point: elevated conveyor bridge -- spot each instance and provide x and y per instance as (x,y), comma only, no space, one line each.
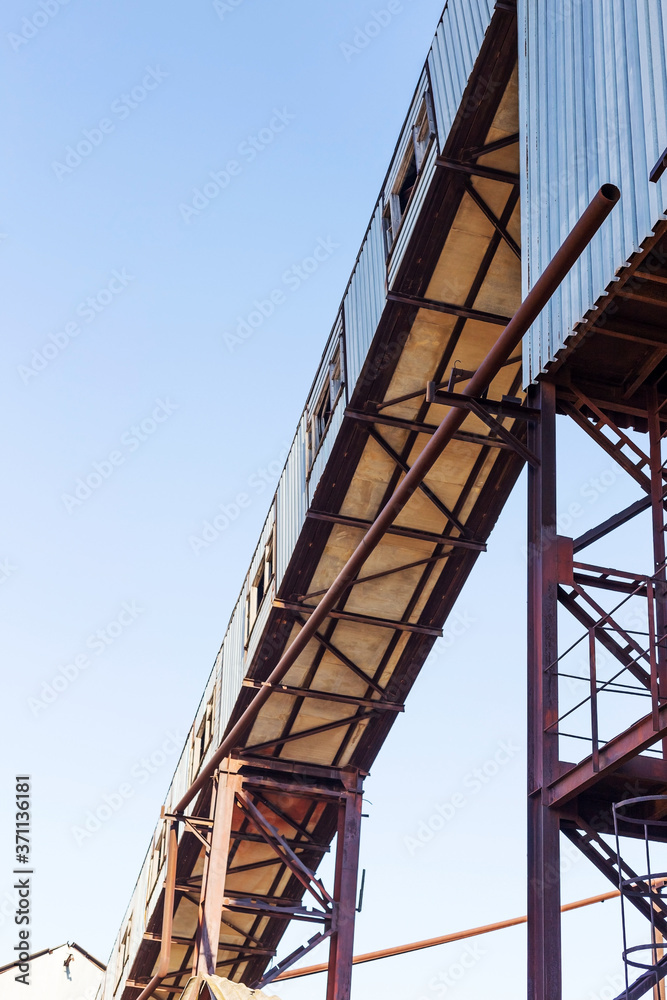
(436,281)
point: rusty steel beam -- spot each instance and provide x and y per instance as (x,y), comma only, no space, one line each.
(344,699)
(381,575)
(473,152)
(350,616)
(617,751)
(463,312)
(545,286)
(215,869)
(486,441)
(164,959)
(613,522)
(420,536)
(341,945)
(303,734)
(465,401)
(478,170)
(544,935)
(493,219)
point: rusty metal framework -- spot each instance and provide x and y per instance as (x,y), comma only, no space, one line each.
(598,633)
(261,799)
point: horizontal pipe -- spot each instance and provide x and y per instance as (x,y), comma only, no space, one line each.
(507,342)
(403,949)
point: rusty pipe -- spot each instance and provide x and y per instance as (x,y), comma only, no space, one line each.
(167,913)
(403,949)
(509,340)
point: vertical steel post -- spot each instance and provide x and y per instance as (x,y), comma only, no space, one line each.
(544,938)
(228,782)
(658,525)
(341,948)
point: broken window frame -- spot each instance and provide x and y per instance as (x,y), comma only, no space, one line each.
(124,952)
(260,588)
(320,415)
(423,133)
(201,738)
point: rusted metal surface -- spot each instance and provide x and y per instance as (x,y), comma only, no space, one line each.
(168,914)
(544,967)
(405,949)
(240,799)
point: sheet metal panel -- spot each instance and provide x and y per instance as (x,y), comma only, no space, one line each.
(593,92)
(365,298)
(291,502)
(233,659)
(452,57)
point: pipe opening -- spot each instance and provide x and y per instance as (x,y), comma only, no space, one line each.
(610,192)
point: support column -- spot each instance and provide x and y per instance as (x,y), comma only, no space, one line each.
(227,783)
(341,949)
(544,935)
(658,526)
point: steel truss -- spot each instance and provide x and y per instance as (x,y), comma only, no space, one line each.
(577,799)
(252,799)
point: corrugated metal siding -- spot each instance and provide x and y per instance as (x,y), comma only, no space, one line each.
(452,57)
(593,110)
(291,502)
(365,299)
(233,657)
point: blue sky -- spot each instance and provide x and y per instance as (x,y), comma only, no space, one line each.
(114,117)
